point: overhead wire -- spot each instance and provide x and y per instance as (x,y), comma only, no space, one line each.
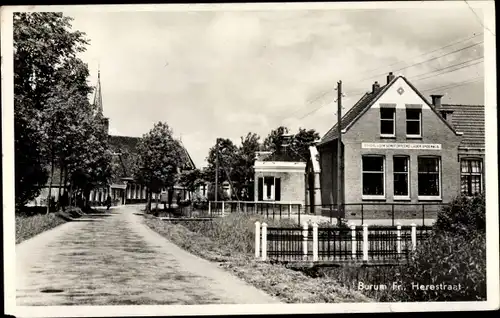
(417,80)
(400,69)
(412,58)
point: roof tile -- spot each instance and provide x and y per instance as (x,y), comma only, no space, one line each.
(470,120)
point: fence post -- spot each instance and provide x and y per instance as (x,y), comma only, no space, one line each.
(223,210)
(423,214)
(393,214)
(289,209)
(365,242)
(353,234)
(239,206)
(264,241)
(257,239)
(315,241)
(398,246)
(413,236)
(304,242)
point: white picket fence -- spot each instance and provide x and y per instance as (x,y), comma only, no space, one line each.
(261,241)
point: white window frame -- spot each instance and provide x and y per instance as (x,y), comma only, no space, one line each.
(440,178)
(393,122)
(480,174)
(264,189)
(402,197)
(414,120)
(369,196)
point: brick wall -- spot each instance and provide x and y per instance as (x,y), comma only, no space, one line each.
(434,131)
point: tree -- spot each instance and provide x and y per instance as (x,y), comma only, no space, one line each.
(159,158)
(244,169)
(302,140)
(43,41)
(274,140)
(299,143)
(228,158)
(73,131)
(44,58)
(190,179)
(30,171)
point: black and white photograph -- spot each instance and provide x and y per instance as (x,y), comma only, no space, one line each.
(266,158)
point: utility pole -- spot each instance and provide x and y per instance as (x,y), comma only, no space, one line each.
(339,152)
(216,168)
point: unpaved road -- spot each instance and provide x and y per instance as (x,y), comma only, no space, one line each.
(117,260)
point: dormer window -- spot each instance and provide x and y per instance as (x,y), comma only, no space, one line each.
(387,122)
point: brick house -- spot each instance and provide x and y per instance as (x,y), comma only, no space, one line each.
(398,147)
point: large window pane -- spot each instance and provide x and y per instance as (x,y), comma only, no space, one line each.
(400,176)
(387,121)
(428,177)
(400,164)
(387,113)
(373,175)
(413,128)
(373,184)
(371,163)
(471,176)
(413,114)
(428,184)
(400,184)
(413,122)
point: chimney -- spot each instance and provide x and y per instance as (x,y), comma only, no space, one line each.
(390,77)
(375,87)
(436,101)
(447,115)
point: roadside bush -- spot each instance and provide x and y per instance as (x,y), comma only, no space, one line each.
(29,226)
(236,231)
(463,216)
(447,259)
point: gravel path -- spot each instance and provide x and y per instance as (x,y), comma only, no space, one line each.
(117,260)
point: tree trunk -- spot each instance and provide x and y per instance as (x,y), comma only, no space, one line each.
(148,199)
(70,192)
(60,186)
(50,184)
(157,201)
(170,197)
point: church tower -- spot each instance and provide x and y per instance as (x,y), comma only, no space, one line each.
(98,101)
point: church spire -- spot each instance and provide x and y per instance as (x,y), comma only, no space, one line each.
(98,94)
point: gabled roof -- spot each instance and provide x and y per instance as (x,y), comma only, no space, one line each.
(470,120)
(125,150)
(186,157)
(364,104)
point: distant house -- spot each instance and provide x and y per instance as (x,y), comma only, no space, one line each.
(398,147)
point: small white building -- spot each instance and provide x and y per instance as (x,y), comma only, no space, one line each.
(279,177)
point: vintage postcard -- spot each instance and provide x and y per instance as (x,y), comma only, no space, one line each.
(272,158)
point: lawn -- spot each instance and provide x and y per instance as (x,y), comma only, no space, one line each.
(29,226)
(229,241)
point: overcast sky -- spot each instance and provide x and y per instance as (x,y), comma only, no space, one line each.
(212,74)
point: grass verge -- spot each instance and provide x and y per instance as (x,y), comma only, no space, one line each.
(29,226)
(229,241)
